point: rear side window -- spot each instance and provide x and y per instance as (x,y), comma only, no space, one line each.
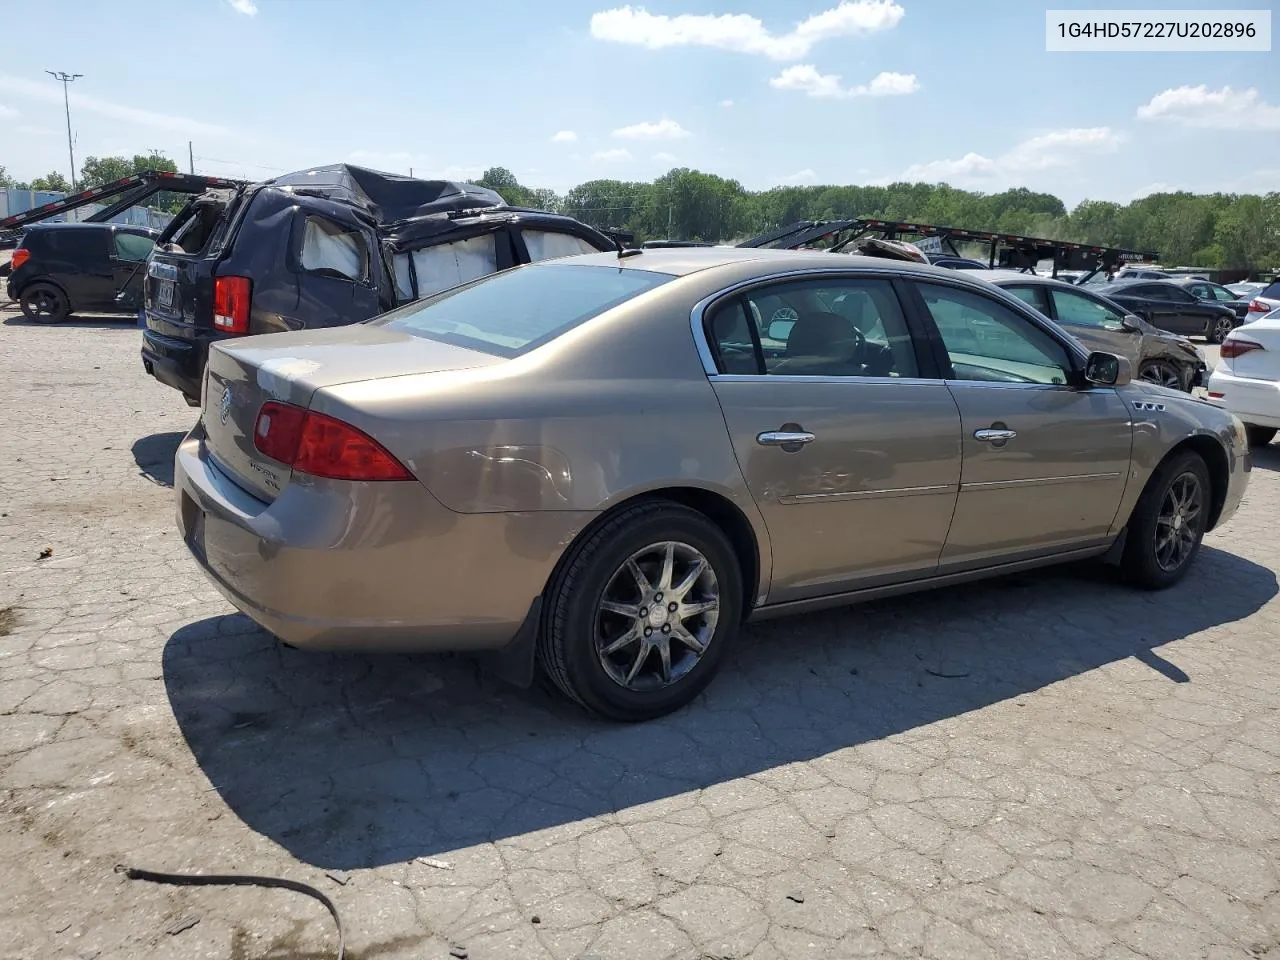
(548,244)
(330,248)
(517,310)
(1271,293)
(1034,295)
(72,244)
(1152,291)
(449,264)
(133,246)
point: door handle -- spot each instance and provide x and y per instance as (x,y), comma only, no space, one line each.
(794,439)
(992,435)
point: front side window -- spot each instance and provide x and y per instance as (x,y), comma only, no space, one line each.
(1222,294)
(331,248)
(987,341)
(133,247)
(448,264)
(512,312)
(1076,308)
(833,327)
(549,244)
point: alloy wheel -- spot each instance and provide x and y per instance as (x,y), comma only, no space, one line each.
(42,303)
(1164,374)
(657,615)
(1179,521)
(1221,327)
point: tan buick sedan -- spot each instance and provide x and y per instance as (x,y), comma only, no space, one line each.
(605,464)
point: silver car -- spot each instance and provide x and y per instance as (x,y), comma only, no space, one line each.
(604,464)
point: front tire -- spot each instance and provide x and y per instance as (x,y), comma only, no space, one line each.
(641,612)
(44,303)
(1164,373)
(1219,329)
(1258,436)
(1168,523)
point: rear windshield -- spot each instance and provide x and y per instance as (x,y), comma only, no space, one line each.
(512,312)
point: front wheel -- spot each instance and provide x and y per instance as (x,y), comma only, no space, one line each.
(641,613)
(1168,523)
(1219,329)
(1162,372)
(1259,436)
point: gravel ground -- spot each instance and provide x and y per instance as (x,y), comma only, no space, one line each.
(1043,766)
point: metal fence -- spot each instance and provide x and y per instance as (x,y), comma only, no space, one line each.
(19,201)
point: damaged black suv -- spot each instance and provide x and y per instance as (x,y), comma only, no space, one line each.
(326,247)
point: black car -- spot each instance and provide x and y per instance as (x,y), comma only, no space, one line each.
(327,247)
(1169,306)
(1208,292)
(63,268)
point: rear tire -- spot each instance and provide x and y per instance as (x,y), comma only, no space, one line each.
(1168,523)
(1219,329)
(1258,436)
(44,303)
(609,613)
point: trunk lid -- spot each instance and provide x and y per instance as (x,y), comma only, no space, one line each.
(242,374)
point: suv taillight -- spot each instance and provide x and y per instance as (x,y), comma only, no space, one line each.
(322,446)
(20,256)
(1238,347)
(231,304)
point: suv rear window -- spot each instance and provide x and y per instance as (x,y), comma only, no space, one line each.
(512,312)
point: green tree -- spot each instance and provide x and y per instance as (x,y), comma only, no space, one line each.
(53,181)
(6,181)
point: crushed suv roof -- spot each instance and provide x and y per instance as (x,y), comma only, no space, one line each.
(388,197)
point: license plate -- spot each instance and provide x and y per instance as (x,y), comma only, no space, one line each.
(164,293)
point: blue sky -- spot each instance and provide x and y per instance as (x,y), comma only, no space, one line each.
(811,91)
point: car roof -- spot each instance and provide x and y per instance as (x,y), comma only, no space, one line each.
(91,226)
(681,261)
(1001,277)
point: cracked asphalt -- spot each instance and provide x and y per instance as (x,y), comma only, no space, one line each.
(1044,766)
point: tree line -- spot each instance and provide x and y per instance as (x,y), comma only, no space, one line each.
(97,171)
(1186,229)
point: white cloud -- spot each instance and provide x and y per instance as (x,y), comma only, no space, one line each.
(663,129)
(726,104)
(564,136)
(1056,148)
(663,157)
(742,32)
(614,155)
(7,112)
(1224,109)
(30,130)
(247,7)
(806,78)
(800,176)
(52,93)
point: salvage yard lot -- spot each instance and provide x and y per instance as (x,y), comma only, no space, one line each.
(1049,765)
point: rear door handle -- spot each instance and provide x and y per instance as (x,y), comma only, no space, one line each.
(795,439)
(992,435)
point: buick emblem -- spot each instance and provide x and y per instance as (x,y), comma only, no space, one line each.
(224,409)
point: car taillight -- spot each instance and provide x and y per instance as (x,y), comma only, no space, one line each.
(231,304)
(19,257)
(1257,306)
(1238,347)
(322,446)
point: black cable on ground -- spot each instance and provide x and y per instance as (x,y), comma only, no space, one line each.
(240,880)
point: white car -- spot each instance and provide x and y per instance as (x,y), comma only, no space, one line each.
(1263,302)
(1247,378)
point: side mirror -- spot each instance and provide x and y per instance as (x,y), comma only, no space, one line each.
(1107,370)
(1131,323)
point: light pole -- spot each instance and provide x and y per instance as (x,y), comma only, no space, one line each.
(66,78)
